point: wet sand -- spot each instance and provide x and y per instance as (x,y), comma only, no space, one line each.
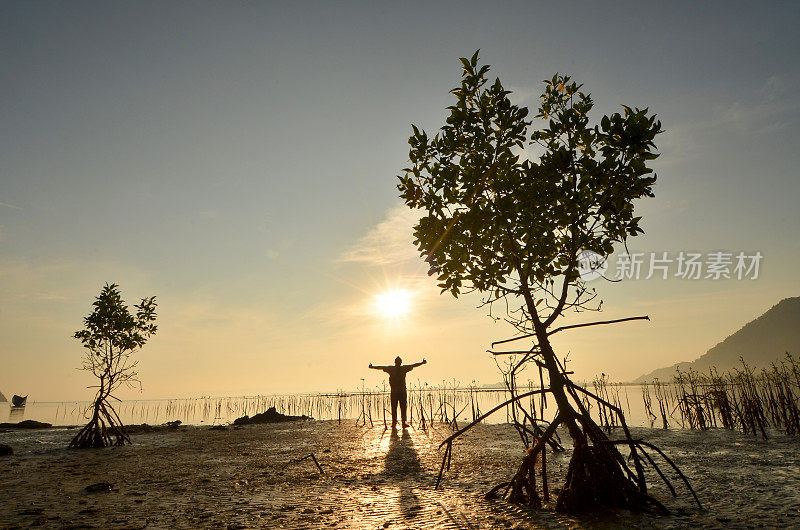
(246,477)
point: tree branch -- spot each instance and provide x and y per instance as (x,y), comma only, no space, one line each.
(529,335)
(601,322)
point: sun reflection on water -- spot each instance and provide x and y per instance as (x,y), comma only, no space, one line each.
(399,470)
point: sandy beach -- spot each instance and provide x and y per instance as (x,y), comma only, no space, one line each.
(247,478)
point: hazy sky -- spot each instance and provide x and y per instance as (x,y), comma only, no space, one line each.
(238,160)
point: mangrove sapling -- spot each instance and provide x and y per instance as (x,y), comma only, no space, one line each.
(663,404)
(496,221)
(111,334)
(648,407)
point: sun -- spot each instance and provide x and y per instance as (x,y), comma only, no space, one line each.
(393,304)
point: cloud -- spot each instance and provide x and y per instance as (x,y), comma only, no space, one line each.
(389,242)
(39,289)
(761,111)
(10,206)
(768,114)
(525,96)
(760,114)
(26,281)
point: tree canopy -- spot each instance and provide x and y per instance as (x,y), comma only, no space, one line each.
(495,216)
(111,325)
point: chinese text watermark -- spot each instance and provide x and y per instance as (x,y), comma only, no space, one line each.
(718,265)
(688,266)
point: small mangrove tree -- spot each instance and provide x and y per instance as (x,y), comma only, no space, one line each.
(110,335)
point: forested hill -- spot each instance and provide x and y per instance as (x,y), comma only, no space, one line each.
(760,342)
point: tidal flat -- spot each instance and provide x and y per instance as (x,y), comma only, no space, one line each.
(255,477)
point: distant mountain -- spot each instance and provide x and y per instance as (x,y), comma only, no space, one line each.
(760,342)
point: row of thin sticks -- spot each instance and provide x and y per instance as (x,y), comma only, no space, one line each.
(743,399)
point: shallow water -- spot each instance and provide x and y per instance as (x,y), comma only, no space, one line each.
(463,403)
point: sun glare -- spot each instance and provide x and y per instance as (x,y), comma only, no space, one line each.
(393,304)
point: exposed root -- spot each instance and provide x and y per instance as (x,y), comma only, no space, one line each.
(598,474)
(103,430)
(595,478)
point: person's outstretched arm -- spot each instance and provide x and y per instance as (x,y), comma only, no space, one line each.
(412,366)
(378,367)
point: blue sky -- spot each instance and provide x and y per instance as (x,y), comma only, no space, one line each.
(238,161)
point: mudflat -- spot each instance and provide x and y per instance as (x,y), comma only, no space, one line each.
(255,476)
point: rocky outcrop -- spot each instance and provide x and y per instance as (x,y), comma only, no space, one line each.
(26,424)
(144,428)
(270,416)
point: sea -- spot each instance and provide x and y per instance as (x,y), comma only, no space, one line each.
(440,404)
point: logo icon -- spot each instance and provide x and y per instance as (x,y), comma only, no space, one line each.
(591,265)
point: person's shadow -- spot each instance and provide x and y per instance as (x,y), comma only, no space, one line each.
(403,469)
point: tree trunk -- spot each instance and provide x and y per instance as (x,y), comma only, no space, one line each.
(104,428)
(597,474)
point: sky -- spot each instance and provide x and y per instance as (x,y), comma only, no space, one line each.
(238,160)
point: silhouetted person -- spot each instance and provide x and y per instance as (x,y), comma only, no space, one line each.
(397,383)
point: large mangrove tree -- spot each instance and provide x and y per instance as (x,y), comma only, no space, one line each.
(510,204)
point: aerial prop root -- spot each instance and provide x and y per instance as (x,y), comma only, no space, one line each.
(448,442)
(598,474)
(103,430)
